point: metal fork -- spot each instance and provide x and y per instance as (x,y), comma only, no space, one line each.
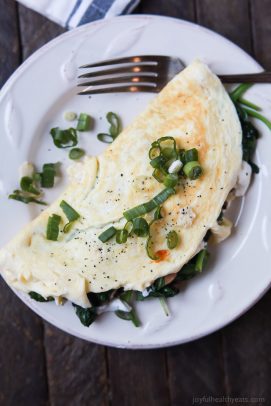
(145,73)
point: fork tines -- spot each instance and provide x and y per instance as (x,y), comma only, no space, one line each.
(129,74)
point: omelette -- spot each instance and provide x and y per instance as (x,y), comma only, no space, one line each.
(196,112)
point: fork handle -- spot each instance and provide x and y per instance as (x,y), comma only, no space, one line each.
(262,77)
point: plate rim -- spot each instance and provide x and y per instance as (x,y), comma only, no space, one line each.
(5,88)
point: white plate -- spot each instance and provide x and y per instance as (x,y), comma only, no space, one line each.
(33,101)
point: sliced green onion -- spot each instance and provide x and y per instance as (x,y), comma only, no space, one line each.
(172,240)
(36,296)
(140,227)
(259,116)
(121,236)
(76,153)
(239,91)
(48,175)
(107,234)
(21,197)
(53,227)
(70,116)
(167,142)
(64,138)
(171,180)
(129,227)
(27,185)
(149,206)
(157,214)
(115,125)
(84,122)
(107,138)
(130,316)
(201,260)
(169,153)
(68,227)
(158,175)
(192,170)
(158,162)
(149,249)
(154,152)
(191,155)
(249,104)
(70,213)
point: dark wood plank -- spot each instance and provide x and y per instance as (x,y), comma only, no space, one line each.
(76,370)
(138,378)
(227,17)
(173,8)
(261,30)
(22,363)
(36,30)
(9,40)
(196,369)
(248,353)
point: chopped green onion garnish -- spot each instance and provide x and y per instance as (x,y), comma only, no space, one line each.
(171,180)
(140,227)
(36,296)
(84,122)
(129,227)
(68,227)
(149,249)
(158,175)
(53,227)
(107,138)
(172,240)
(76,153)
(157,214)
(48,175)
(192,170)
(191,155)
(201,260)
(158,162)
(64,138)
(154,152)
(115,125)
(27,185)
(70,213)
(107,234)
(21,197)
(149,206)
(121,236)
(70,116)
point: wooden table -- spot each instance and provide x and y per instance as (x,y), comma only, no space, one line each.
(40,365)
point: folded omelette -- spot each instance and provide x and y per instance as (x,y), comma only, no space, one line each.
(196,111)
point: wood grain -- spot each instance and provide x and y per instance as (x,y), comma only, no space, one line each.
(138,378)
(36,30)
(9,40)
(229,18)
(76,370)
(261,30)
(22,363)
(196,369)
(173,8)
(248,353)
